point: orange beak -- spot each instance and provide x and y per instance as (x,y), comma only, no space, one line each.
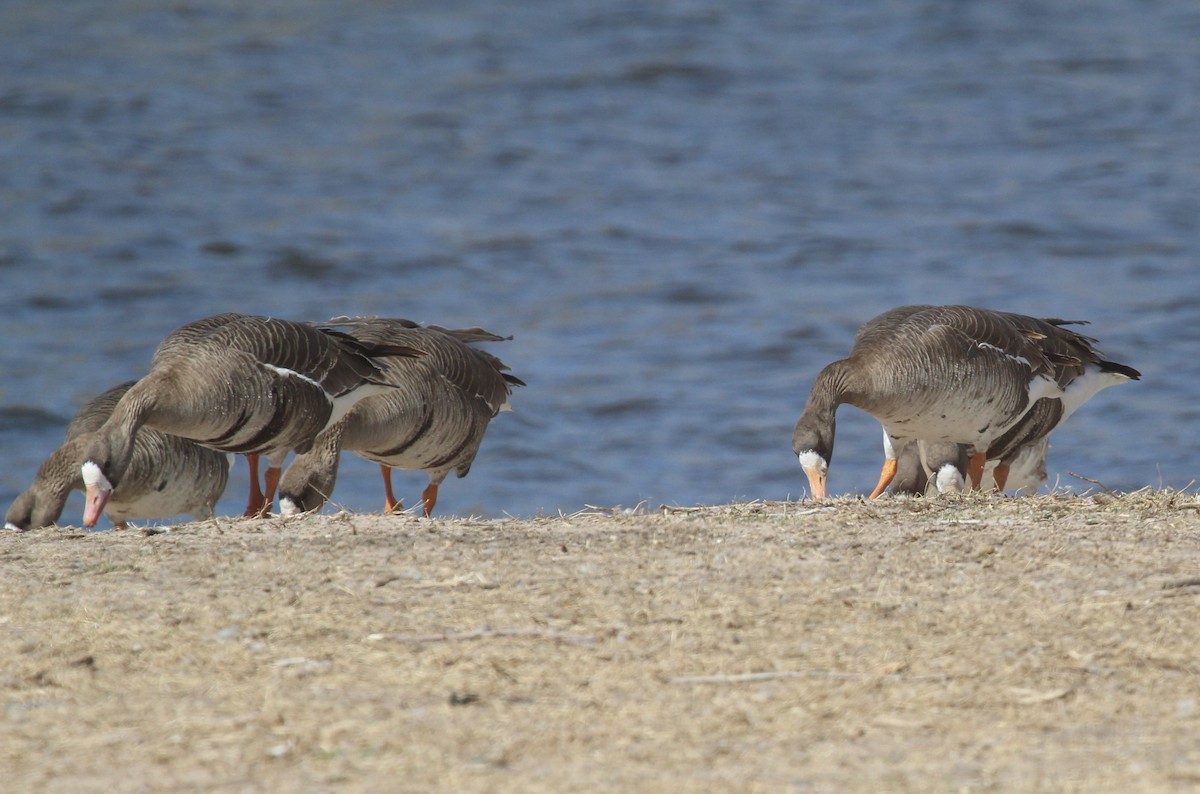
(816,482)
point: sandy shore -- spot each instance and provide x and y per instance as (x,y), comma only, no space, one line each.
(981,643)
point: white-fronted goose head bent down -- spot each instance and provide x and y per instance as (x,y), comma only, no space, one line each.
(239,383)
(433,419)
(929,468)
(938,373)
(167,475)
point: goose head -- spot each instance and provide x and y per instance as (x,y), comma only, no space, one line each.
(812,441)
(32,510)
(306,484)
(949,479)
(103,467)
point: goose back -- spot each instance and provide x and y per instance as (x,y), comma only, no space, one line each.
(95,412)
(248,384)
(337,362)
(946,373)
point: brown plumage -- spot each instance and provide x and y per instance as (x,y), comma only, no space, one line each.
(433,419)
(166,476)
(947,373)
(239,383)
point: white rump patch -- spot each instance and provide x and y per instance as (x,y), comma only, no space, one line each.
(94,478)
(1086,386)
(12,526)
(288,508)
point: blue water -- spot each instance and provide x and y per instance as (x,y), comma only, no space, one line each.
(681,211)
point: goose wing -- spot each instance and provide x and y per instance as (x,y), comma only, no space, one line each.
(986,330)
(447,352)
(336,361)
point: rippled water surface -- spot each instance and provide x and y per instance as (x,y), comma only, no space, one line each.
(681,211)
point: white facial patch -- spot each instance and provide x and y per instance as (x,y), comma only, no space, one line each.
(94,478)
(810,460)
(949,479)
(12,526)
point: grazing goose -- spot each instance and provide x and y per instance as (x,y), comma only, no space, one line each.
(238,383)
(940,464)
(433,419)
(167,475)
(944,373)
(945,464)
(918,463)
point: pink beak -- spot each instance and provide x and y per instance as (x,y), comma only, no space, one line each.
(94,505)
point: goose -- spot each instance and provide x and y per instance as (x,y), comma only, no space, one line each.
(940,464)
(167,475)
(947,373)
(238,383)
(434,418)
(919,462)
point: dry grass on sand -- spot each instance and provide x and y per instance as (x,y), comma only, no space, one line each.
(979,643)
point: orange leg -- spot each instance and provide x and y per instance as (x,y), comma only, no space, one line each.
(255,506)
(391,504)
(1001,476)
(975,469)
(429,498)
(271,479)
(885,476)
